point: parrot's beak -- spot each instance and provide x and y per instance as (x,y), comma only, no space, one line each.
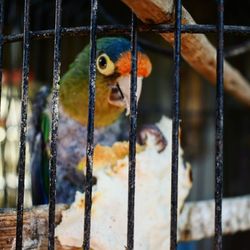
(120,92)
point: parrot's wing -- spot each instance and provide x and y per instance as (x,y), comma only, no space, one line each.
(38,180)
(40,127)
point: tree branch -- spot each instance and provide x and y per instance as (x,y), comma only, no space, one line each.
(195,222)
(197,218)
(195,49)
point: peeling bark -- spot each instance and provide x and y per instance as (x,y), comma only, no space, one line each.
(195,48)
(195,222)
(197,218)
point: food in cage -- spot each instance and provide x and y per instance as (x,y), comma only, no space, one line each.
(109,207)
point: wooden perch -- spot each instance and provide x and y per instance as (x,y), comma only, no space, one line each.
(195,48)
(35,227)
(197,218)
(195,222)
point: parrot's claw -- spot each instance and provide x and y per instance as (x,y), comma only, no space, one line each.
(77,178)
(152,131)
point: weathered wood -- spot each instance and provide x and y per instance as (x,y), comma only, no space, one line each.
(195,222)
(195,49)
(35,229)
(197,218)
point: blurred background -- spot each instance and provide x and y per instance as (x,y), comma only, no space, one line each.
(197,95)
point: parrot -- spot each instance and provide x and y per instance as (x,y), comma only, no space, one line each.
(113,67)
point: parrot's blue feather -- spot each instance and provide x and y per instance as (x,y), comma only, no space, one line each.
(114,47)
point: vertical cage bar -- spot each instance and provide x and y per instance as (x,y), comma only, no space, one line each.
(55,118)
(175,126)
(1,45)
(219,127)
(90,135)
(5,201)
(23,132)
(132,136)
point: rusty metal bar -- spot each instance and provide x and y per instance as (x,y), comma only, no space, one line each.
(90,135)
(5,198)
(1,45)
(54,127)
(125,29)
(219,127)
(23,132)
(132,137)
(175,126)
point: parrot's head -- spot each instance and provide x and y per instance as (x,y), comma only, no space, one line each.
(113,69)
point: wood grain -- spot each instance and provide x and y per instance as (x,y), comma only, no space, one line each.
(194,222)
(195,49)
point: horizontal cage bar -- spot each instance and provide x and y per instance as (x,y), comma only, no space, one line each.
(125,29)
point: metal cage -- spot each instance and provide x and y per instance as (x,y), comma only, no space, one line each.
(178,28)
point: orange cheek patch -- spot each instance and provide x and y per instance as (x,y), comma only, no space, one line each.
(144,65)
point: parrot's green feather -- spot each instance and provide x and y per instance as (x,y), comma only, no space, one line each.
(74,94)
(45,128)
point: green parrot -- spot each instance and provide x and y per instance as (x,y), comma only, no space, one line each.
(113,67)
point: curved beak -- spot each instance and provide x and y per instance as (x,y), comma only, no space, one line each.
(120,92)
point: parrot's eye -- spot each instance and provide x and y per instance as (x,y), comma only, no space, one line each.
(104,65)
(102,62)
